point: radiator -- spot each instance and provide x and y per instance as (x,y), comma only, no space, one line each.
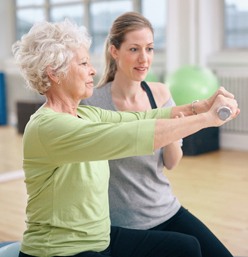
(237,84)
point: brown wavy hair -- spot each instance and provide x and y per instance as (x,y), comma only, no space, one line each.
(123,24)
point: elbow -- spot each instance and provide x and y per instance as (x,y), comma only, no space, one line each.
(173,161)
(171,166)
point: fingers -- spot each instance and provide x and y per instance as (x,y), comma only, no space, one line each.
(181,115)
(221,91)
(236,113)
(224,92)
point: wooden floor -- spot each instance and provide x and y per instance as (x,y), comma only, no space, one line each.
(213,186)
(10,149)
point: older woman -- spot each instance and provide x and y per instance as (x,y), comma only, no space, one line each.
(66,148)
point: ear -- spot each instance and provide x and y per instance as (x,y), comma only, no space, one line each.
(52,75)
(113,51)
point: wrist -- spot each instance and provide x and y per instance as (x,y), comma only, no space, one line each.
(193,107)
(201,106)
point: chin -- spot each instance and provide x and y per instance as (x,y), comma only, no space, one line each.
(87,95)
(88,92)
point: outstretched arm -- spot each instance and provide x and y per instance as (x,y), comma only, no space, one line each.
(170,130)
(200,106)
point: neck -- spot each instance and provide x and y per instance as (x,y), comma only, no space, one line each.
(125,89)
(64,105)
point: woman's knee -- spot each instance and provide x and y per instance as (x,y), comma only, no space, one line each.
(191,247)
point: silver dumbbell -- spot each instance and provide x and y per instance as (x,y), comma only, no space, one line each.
(224,112)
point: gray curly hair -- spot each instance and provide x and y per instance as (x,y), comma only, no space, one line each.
(48,45)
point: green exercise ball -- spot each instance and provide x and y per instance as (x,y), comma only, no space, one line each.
(191,83)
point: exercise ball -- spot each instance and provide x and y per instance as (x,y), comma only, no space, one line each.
(191,83)
(10,250)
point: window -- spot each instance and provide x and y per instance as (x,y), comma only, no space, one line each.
(73,12)
(30,11)
(236,24)
(96,15)
(102,15)
(27,13)
(158,19)
(59,1)
(21,3)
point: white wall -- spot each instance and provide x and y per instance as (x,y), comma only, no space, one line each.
(15,86)
(6,30)
(194,32)
(194,36)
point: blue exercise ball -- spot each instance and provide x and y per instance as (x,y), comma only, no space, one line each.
(10,250)
(191,83)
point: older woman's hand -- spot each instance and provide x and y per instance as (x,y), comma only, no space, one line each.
(224,99)
(221,91)
(206,104)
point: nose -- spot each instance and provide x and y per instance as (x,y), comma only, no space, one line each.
(143,56)
(92,71)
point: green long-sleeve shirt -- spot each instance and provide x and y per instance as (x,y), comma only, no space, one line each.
(67,174)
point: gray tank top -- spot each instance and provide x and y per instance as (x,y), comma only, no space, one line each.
(140,194)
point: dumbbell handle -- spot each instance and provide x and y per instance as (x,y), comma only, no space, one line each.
(224,112)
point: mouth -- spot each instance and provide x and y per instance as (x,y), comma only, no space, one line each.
(90,84)
(141,69)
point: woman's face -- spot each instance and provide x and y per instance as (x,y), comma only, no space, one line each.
(78,83)
(135,55)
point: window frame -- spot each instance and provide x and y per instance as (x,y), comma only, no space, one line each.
(87,16)
(226,46)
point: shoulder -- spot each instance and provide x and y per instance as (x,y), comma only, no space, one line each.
(160,92)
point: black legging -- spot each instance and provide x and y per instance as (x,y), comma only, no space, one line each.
(186,223)
(181,236)
(146,243)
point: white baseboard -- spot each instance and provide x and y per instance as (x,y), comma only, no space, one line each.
(11,175)
(234,141)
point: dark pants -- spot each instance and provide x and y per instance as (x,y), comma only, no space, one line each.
(146,243)
(186,223)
